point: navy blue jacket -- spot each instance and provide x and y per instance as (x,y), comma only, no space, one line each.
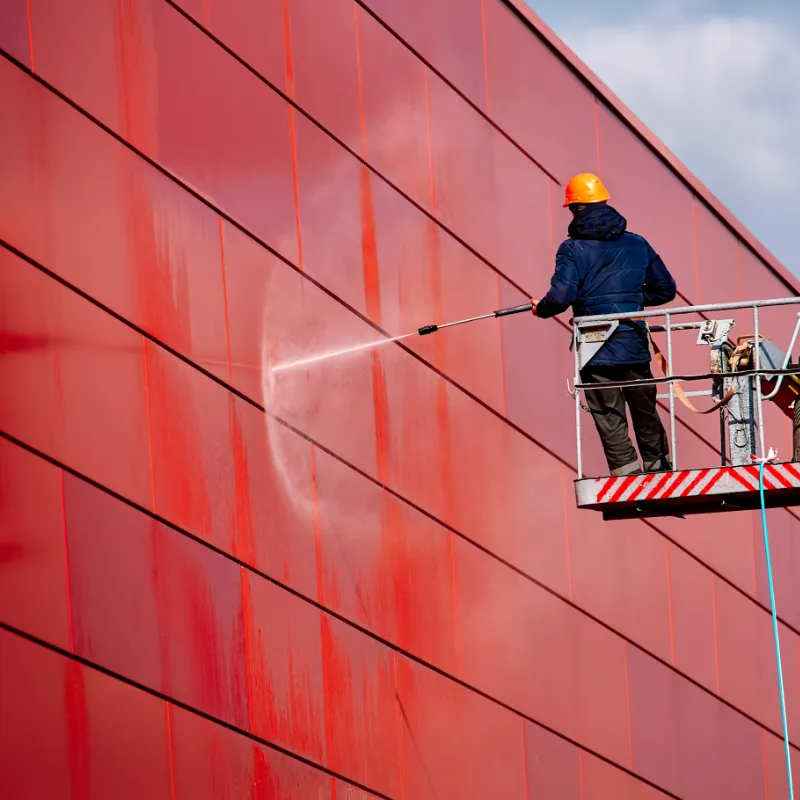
(602,269)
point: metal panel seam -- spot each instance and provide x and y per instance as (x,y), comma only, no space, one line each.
(377,482)
(627,641)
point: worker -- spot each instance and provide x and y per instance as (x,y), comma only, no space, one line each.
(604,269)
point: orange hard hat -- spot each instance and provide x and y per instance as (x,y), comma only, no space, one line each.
(585,188)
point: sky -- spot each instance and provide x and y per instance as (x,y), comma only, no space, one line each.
(718,81)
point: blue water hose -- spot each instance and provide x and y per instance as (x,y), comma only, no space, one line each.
(775,627)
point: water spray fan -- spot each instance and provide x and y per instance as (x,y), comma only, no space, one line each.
(501,312)
(424,331)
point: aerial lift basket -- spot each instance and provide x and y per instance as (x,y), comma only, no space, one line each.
(743,374)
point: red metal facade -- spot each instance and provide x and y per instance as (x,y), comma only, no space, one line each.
(380,587)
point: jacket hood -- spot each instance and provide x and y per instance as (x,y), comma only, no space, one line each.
(600,222)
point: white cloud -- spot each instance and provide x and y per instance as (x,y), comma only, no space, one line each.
(721,92)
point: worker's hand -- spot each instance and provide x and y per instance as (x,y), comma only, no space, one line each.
(534,303)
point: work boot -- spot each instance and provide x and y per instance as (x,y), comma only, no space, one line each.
(628,469)
(662,465)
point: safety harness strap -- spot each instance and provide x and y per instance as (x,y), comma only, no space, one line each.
(664,366)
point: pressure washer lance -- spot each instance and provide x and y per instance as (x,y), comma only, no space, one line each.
(503,312)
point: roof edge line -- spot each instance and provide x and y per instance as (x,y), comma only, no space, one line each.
(542,29)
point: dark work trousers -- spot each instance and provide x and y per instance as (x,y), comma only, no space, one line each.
(608,411)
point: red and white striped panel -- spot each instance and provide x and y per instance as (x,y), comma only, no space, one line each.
(686,483)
